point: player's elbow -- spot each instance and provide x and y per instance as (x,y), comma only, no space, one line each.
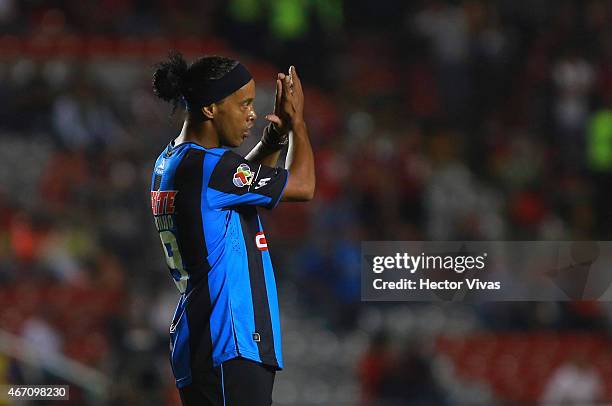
(304,193)
(309,191)
(308,188)
(299,191)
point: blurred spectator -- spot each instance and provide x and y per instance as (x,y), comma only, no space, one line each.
(82,121)
(599,162)
(458,207)
(574,383)
(40,334)
(373,365)
(574,78)
(409,380)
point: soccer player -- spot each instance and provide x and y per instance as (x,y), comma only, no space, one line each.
(225,334)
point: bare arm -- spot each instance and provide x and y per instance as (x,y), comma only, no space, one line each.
(300,163)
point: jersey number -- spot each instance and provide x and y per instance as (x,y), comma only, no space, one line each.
(174,259)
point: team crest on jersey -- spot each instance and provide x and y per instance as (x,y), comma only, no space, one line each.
(243,176)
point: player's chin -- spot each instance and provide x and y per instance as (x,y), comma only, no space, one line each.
(237,143)
(242,138)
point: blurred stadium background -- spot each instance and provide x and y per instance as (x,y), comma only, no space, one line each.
(442,120)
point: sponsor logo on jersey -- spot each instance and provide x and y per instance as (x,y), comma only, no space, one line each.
(260,241)
(243,176)
(256,337)
(160,168)
(262,182)
(162,202)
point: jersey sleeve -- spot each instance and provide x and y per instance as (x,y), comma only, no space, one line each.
(236,182)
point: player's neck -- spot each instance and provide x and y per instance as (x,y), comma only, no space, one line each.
(203,134)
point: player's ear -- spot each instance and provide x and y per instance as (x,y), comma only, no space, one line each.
(209,111)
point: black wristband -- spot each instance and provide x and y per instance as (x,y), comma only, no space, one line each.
(274,140)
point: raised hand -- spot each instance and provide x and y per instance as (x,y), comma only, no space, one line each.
(288,103)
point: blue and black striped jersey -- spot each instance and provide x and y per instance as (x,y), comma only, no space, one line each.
(204,204)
